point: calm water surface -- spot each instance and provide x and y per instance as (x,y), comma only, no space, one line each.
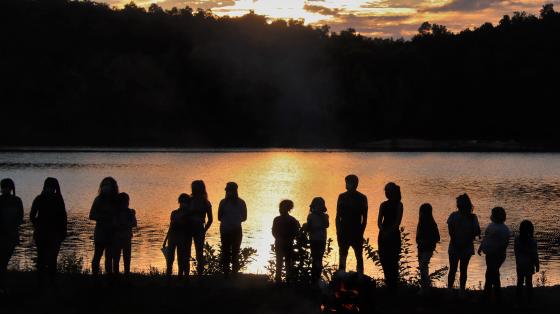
(527,185)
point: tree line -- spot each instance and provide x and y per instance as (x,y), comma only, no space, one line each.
(82,73)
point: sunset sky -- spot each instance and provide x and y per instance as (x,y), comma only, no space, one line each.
(386,18)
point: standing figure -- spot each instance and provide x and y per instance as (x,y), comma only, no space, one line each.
(463,229)
(126,220)
(199,209)
(11,217)
(104,211)
(427,237)
(389,241)
(176,238)
(285,228)
(351,221)
(526,259)
(494,245)
(48,215)
(317,224)
(231,213)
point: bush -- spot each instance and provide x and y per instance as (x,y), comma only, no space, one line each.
(213,259)
(71,264)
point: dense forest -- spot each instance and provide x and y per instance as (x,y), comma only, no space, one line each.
(82,73)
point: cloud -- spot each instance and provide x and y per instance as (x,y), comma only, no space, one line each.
(195,4)
(467,5)
(321,10)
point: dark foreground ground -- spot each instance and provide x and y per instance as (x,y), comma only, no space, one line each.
(247,294)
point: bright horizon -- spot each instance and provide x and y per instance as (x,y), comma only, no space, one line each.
(375,18)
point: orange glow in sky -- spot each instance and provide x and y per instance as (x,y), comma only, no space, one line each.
(385,18)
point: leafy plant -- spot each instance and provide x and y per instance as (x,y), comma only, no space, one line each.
(71,264)
(213,259)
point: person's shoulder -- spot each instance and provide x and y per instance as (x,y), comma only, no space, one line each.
(132,211)
(361,195)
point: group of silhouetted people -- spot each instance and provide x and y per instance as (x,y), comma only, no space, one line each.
(114,222)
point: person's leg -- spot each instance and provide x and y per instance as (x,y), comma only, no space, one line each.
(116,250)
(188,249)
(199,248)
(226,240)
(170,258)
(127,255)
(529,285)
(182,258)
(424,267)
(6,251)
(236,249)
(41,261)
(288,256)
(453,264)
(53,259)
(489,275)
(315,260)
(497,281)
(463,268)
(97,254)
(108,251)
(357,246)
(279,261)
(342,253)
(519,286)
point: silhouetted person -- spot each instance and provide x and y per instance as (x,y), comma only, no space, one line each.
(48,215)
(389,241)
(494,245)
(125,221)
(526,259)
(463,229)
(231,213)
(317,224)
(177,237)
(104,211)
(199,209)
(427,237)
(351,221)
(11,217)
(285,228)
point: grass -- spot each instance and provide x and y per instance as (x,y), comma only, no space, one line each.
(144,293)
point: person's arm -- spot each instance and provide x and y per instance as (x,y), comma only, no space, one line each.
(338,214)
(243,211)
(484,241)
(134,221)
(210,218)
(398,221)
(275,228)
(20,212)
(536,257)
(437,237)
(221,210)
(166,238)
(326,221)
(477,231)
(364,214)
(34,211)
(380,218)
(63,219)
(94,212)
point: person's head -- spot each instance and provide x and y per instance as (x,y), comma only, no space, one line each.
(231,191)
(124,200)
(7,186)
(498,215)
(184,200)
(51,186)
(464,204)
(393,192)
(318,205)
(425,213)
(198,189)
(526,229)
(108,186)
(285,207)
(351,182)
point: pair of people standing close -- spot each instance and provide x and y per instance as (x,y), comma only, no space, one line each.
(114,221)
(188,224)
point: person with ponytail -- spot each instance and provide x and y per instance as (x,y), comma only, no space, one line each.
(104,212)
(49,219)
(11,217)
(199,209)
(427,237)
(389,240)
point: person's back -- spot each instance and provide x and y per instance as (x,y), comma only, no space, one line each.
(48,215)
(11,217)
(317,224)
(526,254)
(178,225)
(463,229)
(285,229)
(231,213)
(351,209)
(496,238)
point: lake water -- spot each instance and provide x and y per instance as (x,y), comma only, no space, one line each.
(527,185)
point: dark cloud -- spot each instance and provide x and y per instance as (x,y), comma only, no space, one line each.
(375,26)
(467,5)
(321,10)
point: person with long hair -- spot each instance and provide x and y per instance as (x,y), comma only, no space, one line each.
(427,237)
(463,228)
(351,221)
(316,226)
(231,213)
(526,259)
(49,219)
(389,240)
(494,245)
(285,229)
(176,238)
(126,221)
(199,210)
(11,217)
(104,211)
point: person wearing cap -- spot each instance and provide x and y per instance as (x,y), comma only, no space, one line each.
(231,213)
(317,224)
